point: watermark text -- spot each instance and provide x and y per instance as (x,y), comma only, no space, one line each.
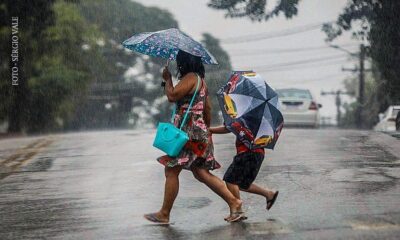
(14,51)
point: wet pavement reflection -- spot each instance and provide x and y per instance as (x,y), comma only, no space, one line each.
(97,185)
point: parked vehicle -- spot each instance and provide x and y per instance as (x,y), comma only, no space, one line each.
(387,120)
(299,107)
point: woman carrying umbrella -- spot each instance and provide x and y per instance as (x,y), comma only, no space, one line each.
(198,154)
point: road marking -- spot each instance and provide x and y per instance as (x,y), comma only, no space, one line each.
(22,156)
(21,151)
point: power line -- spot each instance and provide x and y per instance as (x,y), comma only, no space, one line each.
(283,83)
(270,35)
(284,64)
(328,77)
(250,52)
(289,68)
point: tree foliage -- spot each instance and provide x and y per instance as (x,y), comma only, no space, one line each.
(67,49)
(380,26)
(372,105)
(216,75)
(50,34)
(256,10)
(118,20)
(34,17)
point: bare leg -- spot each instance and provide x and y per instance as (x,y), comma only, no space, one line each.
(270,196)
(255,189)
(170,192)
(234,189)
(219,187)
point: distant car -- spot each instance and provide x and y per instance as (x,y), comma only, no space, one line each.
(387,120)
(299,107)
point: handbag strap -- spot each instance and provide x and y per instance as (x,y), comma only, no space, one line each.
(190,105)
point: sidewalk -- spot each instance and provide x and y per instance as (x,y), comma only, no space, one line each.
(390,141)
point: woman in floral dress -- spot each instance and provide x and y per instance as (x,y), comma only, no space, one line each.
(198,153)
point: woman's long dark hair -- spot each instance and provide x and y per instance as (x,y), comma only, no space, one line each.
(187,63)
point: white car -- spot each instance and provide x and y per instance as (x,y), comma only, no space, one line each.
(387,120)
(298,107)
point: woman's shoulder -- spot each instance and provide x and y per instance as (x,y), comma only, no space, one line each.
(190,77)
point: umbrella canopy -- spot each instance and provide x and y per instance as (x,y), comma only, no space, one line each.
(166,44)
(249,108)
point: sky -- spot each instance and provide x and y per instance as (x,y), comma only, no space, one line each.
(276,59)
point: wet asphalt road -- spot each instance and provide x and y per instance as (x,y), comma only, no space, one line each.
(334,184)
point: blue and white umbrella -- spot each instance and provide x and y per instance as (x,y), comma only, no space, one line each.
(249,108)
(166,44)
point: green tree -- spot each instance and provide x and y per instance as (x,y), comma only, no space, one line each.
(62,74)
(49,36)
(216,75)
(33,18)
(119,20)
(380,26)
(256,10)
(372,105)
(67,49)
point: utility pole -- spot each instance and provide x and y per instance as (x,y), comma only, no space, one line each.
(338,102)
(361,88)
(361,85)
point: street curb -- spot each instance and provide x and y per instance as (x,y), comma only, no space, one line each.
(5,136)
(390,143)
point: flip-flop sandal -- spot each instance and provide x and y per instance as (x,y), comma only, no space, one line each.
(152,218)
(271,202)
(236,217)
(243,218)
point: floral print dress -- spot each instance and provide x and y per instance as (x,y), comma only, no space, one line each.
(199,150)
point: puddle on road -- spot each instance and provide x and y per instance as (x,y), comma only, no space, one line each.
(365,151)
(192,202)
(270,227)
(41,164)
(381,222)
(374,226)
(287,169)
(42,218)
(368,166)
(154,231)
(240,230)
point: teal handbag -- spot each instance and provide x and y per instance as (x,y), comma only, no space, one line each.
(169,138)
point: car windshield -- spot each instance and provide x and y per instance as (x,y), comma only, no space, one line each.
(294,93)
(395,111)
